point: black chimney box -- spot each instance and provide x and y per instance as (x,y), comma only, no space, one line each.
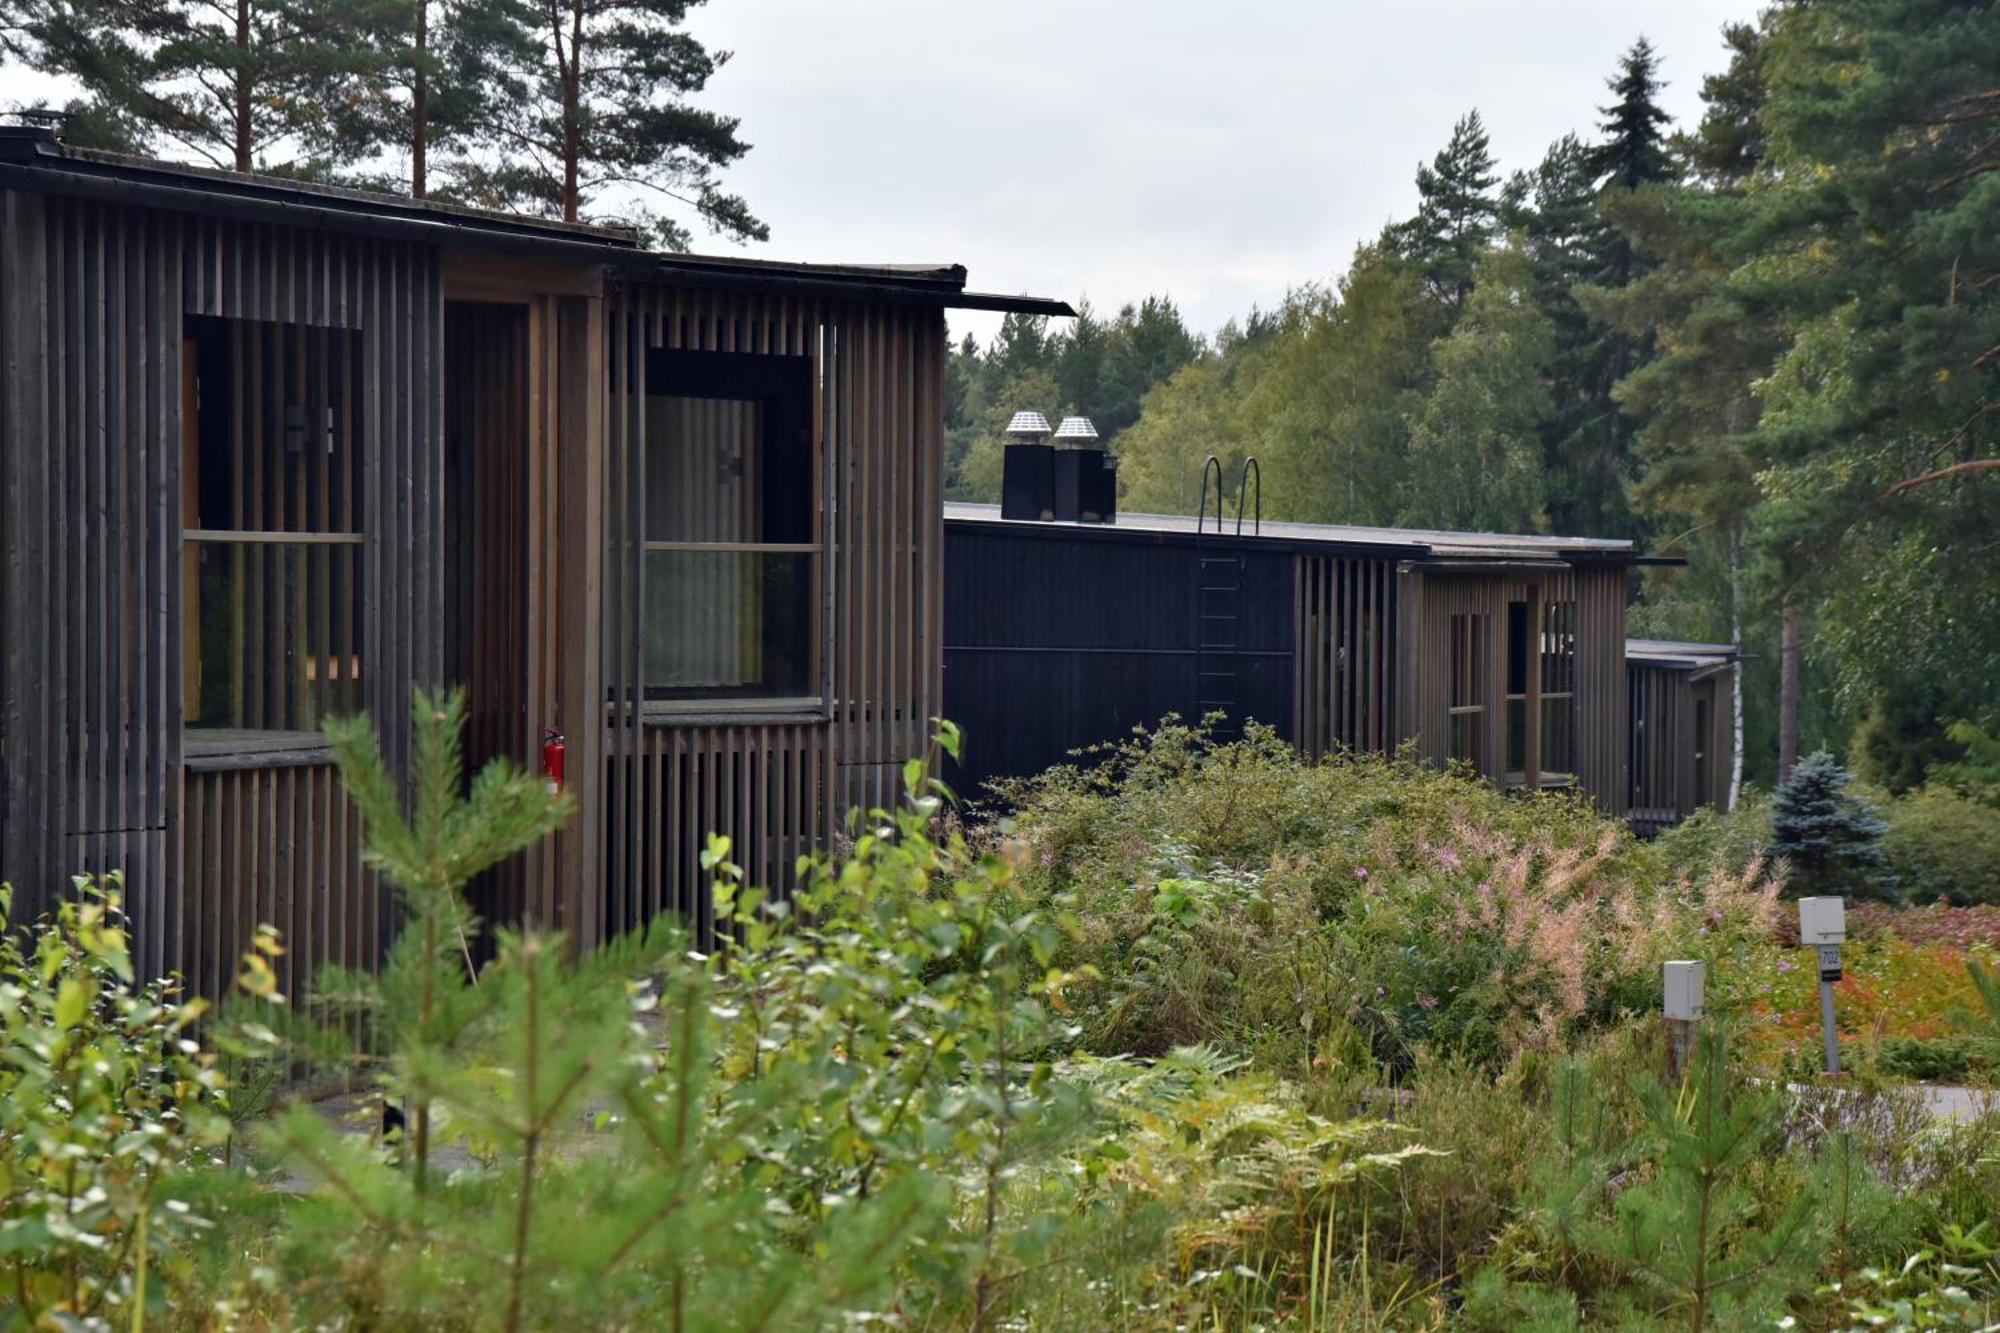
(1028,482)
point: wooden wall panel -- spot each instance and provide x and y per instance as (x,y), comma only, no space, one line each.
(278,846)
(1346,631)
(778,784)
(1431,598)
(97,297)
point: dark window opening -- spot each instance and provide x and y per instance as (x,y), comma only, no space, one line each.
(1703,720)
(1519,651)
(731,555)
(271,504)
(1466,689)
(1556,758)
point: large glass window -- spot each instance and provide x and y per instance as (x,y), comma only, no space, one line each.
(271,502)
(731,553)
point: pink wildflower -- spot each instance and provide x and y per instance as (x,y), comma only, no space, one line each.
(1361,873)
(1428,1001)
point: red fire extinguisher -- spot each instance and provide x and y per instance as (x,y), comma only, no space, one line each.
(552,758)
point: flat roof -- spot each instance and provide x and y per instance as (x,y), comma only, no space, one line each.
(1678,653)
(1418,542)
(35,158)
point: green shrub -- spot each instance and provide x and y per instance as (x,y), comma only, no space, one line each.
(1945,845)
(109,1114)
(1361,908)
(1714,841)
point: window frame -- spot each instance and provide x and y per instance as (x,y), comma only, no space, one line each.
(764,378)
(336,389)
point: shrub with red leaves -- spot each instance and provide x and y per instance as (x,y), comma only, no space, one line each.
(1936,924)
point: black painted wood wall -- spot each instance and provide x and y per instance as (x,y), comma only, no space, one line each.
(1060,637)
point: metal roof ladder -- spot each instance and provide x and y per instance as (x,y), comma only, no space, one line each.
(1218,603)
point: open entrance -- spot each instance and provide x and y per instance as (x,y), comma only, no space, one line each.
(487,536)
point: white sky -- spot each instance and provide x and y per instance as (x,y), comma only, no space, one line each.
(1216,150)
(1219,151)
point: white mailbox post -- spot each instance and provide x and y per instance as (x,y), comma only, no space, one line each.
(1823,926)
(1683,995)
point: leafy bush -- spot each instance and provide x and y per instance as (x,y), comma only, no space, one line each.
(1313,914)
(109,1113)
(1945,846)
(1712,841)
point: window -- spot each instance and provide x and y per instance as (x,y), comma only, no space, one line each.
(731,553)
(1466,688)
(271,499)
(1519,651)
(1557,758)
(1703,720)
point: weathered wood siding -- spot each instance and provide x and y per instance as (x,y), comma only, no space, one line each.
(1431,599)
(778,785)
(1676,715)
(91,393)
(1346,667)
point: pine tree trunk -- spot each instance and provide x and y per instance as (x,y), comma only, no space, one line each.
(572,129)
(1789,651)
(1736,672)
(244,141)
(420,129)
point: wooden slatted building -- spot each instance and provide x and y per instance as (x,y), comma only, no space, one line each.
(271,452)
(1683,741)
(1505,652)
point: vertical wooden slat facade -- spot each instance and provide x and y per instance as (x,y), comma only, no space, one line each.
(1682,745)
(775,782)
(1436,600)
(420,460)
(1346,668)
(98,299)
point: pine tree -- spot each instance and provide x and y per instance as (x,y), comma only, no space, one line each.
(1690,1228)
(1456,214)
(246,84)
(1831,839)
(445,70)
(607,108)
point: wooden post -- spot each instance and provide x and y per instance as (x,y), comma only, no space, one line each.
(580,579)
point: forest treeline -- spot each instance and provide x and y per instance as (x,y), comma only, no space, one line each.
(1765,342)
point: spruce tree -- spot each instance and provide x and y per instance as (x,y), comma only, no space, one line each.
(1457,212)
(1593,453)
(1831,839)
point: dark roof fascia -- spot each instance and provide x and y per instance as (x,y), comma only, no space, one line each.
(1014,305)
(942,286)
(1498,565)
(50,169)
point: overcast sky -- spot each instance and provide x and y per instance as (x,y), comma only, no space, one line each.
(1218,151)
